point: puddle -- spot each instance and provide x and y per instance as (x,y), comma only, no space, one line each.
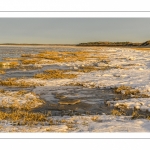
(92,100)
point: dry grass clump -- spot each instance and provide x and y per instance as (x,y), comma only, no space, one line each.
(119,110)
(55,74)
(69,102)
(11,64)
(63,100)
(2,91)
(95,118)
(27,55)
(30,61)
(23,116)
(14,82)
(126,90)
(12,59)
(116,112)
(64,56)
(135,115)
(22,92)
(2,72)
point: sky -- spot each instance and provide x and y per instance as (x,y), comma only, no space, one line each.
(73,30)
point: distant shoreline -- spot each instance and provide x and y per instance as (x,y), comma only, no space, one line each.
(90,44)
(116,44)
(37,44)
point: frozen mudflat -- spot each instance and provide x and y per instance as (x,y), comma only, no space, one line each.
(84,103)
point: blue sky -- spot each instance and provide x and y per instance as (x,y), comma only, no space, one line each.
(73,30)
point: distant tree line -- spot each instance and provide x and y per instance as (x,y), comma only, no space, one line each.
(113,44)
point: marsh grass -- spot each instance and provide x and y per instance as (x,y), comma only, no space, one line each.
(2,91)
(95,118)
(63,56)
(63,100)
(21,83)
(23,116)
(2,72)
(116,112)
(55,74)
(119,110)
(11,64)
(69,102)
(12,59)
(137,115)
(126,90)
(30,61)
(20,105)
(129,91)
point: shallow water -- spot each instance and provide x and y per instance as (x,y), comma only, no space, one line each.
(17,51)
(92,100)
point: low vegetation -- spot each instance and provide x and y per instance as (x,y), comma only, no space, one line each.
(12,64)
(55,74)
(22,117)
(121,109)
(129,91)
(18,83)
(2,72)
(63,56)
(30,61)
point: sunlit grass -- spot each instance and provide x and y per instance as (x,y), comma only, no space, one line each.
(119,110)
(2,72)
(55,74)
(129,91)
(15,82)
(23,116)
(64,56)
(12,64)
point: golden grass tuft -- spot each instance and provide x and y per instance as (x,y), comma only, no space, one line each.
(24,116)
(2,72)
(55,74)
(116,112)
(30,61)
(14,82)
(12,64)
(135,115)
(119,110)
(55,56)
(126,90)
(12,59)
(69,102)
(95,118)
(2,91)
